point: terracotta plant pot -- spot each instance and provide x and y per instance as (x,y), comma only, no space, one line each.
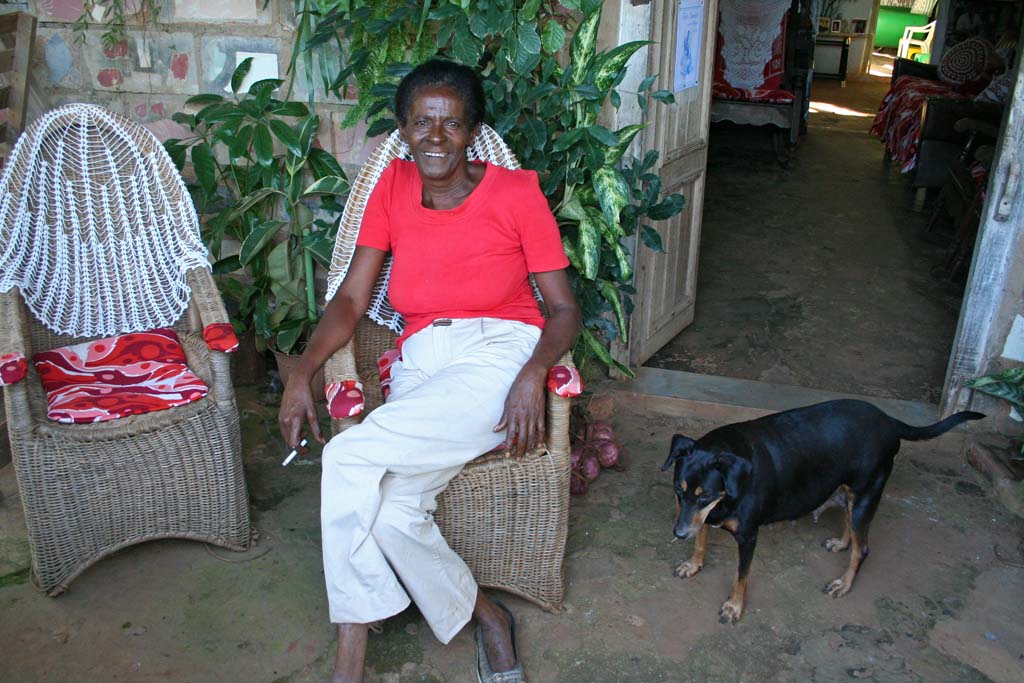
(286,363)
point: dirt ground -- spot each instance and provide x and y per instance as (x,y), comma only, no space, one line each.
(818,275)
(934,603)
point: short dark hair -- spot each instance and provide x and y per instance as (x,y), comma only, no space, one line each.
(460,78)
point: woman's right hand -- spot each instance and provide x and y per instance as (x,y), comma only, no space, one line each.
(297,406)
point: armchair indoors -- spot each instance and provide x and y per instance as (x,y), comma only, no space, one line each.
(507,519)
(763,59)
(119,435)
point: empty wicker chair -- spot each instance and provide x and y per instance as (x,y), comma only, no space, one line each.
(98,237)
(507,519)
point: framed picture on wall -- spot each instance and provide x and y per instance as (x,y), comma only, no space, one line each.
(858,26)
(824,24)
(836,26)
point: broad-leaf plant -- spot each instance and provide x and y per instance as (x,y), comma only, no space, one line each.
(269,197)
(545,92)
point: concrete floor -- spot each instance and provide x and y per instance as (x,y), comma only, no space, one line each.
(818,276)
(934,602)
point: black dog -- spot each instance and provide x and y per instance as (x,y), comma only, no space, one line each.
(783,466)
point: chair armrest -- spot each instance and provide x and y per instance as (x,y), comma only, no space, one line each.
(14,338)
(557,430)
(206,313)
(908,67)
(341,367)
(939,116)
(970,124)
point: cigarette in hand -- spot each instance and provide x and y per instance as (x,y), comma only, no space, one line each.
(295,451)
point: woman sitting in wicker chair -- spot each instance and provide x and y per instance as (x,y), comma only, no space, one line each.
(475,354)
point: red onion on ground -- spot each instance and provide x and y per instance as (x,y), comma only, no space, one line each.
(600,430)
(578,484)
(590,468)
(607,452)
(576,455)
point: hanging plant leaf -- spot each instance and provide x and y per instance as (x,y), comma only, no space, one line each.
(239,144)
(552,37)
(598,349)
(263,145)
(257,239)
(614,61)
(334,185)
(206,167)
(582,47)
(651,239)
(589,246)
(667,208)
(612,296)
(287,136)
(612,194)
(623,138)
(241,71)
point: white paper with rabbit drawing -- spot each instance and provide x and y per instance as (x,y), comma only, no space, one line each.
(689,32)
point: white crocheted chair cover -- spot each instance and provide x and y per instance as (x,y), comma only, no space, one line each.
(487,146)
(749,27)
(97,229)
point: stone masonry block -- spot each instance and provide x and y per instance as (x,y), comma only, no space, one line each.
(55,59)
(218,11)
(147,62)
(349,145)
(221,54)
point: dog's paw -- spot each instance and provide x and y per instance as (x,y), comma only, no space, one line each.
(837,588)
(731,612)
(687,569)
(836,545)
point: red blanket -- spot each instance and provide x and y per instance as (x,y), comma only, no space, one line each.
(898,121)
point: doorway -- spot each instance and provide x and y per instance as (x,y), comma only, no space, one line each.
(821,275)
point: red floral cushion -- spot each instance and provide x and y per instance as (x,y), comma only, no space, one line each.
(220,337)
(13,368)
(344,399)
(105,379)
(565,381)
(384,363)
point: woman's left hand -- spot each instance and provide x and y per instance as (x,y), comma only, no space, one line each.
(524,417)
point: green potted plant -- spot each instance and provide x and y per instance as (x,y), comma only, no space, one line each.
(271,199)
(545,101)
(1007,385)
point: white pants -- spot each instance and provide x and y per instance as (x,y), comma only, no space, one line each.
(381,477)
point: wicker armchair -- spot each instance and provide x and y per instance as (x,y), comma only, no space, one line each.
(88,195)
(507,519)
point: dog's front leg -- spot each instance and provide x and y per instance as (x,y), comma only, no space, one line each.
(732,609)
(700,547)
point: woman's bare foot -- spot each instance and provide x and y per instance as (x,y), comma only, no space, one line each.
(350,664)
(497,632)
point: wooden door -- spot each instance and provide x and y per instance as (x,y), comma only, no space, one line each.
(666,283)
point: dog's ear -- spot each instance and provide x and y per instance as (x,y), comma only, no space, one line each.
(735,470)
(681,447)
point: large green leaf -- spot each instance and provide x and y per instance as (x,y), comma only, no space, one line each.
(624,136)
(667,208)
(598,349)
(612,194)
(249,201)
(241,71)
(611,295)
(239,144)
(1013,375)
(613,61)
(570,252)
(206,167)
(257,239)
(204,99)
(1009,391)
(612,237)
(572,209)
(263,145)
(287,136)
(552,38)
(567,139)
(328,185)
(307,133)
(322,250)
(324,164)
(583,46)
(288,334)
(278,264)
(588,246)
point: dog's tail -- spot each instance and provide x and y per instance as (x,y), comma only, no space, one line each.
(911,433)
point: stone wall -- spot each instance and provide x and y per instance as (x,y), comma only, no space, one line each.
(193,49)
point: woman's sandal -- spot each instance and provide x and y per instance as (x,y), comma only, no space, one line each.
(484,673)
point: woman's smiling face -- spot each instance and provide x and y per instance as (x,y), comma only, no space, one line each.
(438,133)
